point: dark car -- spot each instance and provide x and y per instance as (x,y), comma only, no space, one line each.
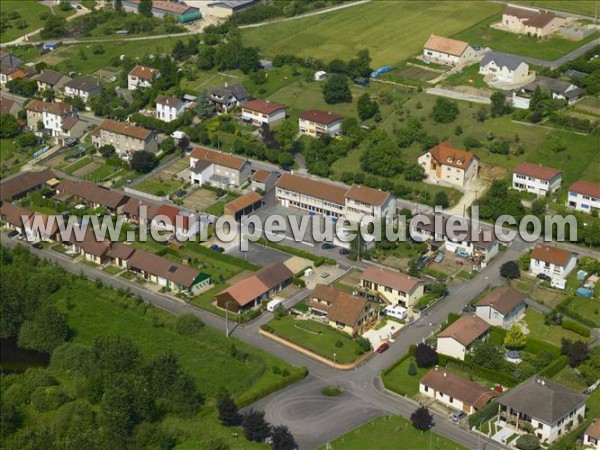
(217,248)
(13,233)
(327,246)
(543,277)
(344,251)
(383,347)
(38,245)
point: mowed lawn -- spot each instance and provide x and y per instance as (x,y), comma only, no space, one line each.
(317,337)
(391,433)
(502,41)
(31,12)
(549,333)
(399,381)
(585,7)
(391,30)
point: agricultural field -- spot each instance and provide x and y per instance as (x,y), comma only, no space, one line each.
(392,31)
(384,433)
(583,7)
(546,49)
(31,12)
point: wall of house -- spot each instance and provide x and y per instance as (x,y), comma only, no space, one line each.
(535,185)
(314,129)
(440,58)
(258,118)
(552,270)
(445,399)
(291,199)
(579,202)
(451,347)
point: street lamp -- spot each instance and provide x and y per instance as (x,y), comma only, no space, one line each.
(227,318)
(334,355)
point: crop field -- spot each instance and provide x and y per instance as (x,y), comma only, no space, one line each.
(584,7)
(391,30)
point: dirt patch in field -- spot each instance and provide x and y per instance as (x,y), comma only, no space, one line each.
(490,172)
(200,199)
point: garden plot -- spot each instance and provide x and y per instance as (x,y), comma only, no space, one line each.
(86,170)
(200,199)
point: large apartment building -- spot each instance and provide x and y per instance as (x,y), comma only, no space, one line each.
(126,139)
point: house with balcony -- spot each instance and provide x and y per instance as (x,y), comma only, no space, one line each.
(549,408)
(584,196)
(262,112)
(391,287)
(229,97)
(502,307)
(458,339)
(446,164)
(218,169)
(536,179)
(82,87)
(455,391)
(141,77)
(552,261)
(315,123)
(348,313)
(168,108)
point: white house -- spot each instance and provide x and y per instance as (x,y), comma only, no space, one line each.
(444,163)
(591,436)
(82,87)
(584,196)
(502,307)
(218,169)
(262,112)
(315,123)
(393,287)
(551,409)
(363,201)
(168,108)
(459,338)
(537,179)
(455,391)
(141,77)
(552,261)
(53,116)
(443,50)
(504,67)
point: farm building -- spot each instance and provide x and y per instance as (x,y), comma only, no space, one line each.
(228,8)
(161,8)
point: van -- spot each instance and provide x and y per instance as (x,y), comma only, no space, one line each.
(274,304)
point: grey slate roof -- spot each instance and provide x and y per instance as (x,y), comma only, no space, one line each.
(233,4)
(542,399)
(502,60)
(83,84)
(235,90)
(553,84)
(50,77)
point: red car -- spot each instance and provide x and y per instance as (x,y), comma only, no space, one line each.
(383,347)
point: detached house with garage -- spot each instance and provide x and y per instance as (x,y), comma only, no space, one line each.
(455,391)
(443,50)
(141,77)
(552,261)
(444,163)
(218,169)
(262,112)
(125,138)
(315,123)
(459,338)
(502,307)
(537,179)
(551,409)
(391,287)
(345,312)
(168,108)
(503,67)
(584,196)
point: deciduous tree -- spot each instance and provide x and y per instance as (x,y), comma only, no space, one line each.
(422,419)
(337,90)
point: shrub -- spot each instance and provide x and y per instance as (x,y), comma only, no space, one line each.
(339,344)
(188,324)
(331,391)
(266,327)
(364,344)
(576,328)
(412,370)
(425,355)
(554,367)
(49,398)
(528,442)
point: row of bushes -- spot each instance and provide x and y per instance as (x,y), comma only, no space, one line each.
(576,328)
(479,371)
(318,260)
(484,414)
(252,396)
(226,258)
(565,309)
(554,367)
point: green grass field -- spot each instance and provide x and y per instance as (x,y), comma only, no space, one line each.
(217,208)
(392,31)
(159,187)
(551,334)
(101,173)
(584,7)
(391,433)
(30,11)
(79,164)
(399,381)
(317,337)
(502,41)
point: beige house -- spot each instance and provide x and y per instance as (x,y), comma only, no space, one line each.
(459,338)
(315,123)
(363,201)
(345,312)
(591,436)
(455,391)
(218,169)
(530,21)
(443,50)
(127,139)
(141,77)
(503,67)
(259,112)
(394,288)
(15,217)
(502,307)
(444,163)
(51,80)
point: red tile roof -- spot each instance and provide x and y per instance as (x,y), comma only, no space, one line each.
(163,268)
(320,117)
(466,330)
(145,73)
(537,171)
(13,214)
(261,176)
(342,307)
(243,202)
(447,155)
(586,188)
(262,106)
(390,278)
(594,429)
(445,45)
(458,387)
(21,183)
(219,158)
(125,129)
(551,254)
(6,105)
(313,188)
(370,196)
(503,299)
(93,193)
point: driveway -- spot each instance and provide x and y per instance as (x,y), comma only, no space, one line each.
(459,95)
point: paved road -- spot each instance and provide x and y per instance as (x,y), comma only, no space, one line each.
(563,59)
